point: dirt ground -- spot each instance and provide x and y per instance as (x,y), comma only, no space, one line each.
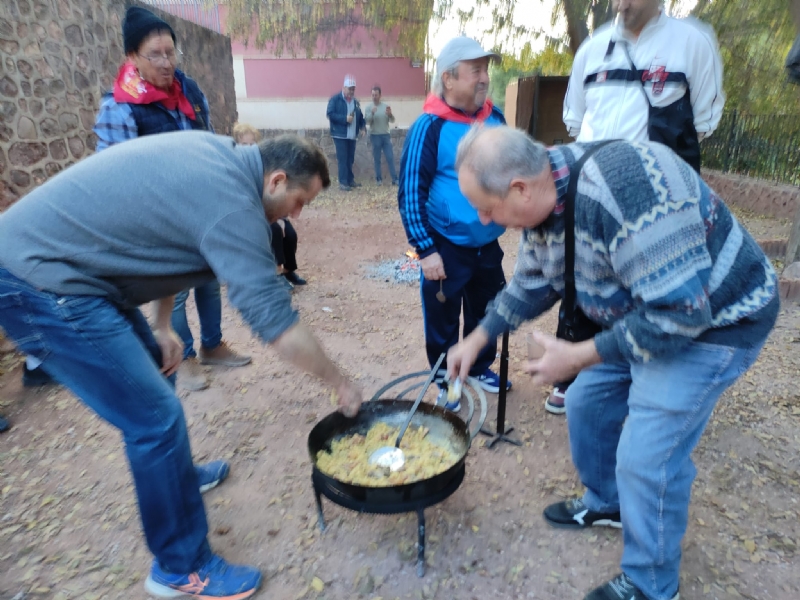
(69,526)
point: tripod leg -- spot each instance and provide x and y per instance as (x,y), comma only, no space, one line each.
(421,543)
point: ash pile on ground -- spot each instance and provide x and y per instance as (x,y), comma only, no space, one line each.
(403,271)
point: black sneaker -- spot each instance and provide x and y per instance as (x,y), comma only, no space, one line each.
(619,588)
(293,278)
(35,377)
(573,514)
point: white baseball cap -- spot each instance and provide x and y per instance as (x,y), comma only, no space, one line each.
(458,49)
(349,81)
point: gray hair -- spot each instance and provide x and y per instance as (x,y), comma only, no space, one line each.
(512,154)
(438,86)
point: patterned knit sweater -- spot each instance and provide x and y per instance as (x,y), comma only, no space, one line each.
(659,258)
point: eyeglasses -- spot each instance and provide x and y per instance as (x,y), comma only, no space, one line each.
(163,60)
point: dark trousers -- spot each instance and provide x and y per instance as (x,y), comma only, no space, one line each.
(345,156)
(383,143)
(284,245)
(474,277)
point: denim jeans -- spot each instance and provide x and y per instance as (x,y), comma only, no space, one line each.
(345,157)
(644,469)
(383,142)
(109,359)
(209,310)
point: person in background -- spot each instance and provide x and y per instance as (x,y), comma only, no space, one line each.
(675,96)
(284,236)
(685,298)
(459,254)
(378,117)
(347,123)
(73,303)
(150,96)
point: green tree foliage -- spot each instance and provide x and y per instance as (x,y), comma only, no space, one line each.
(754,38)
(297,26)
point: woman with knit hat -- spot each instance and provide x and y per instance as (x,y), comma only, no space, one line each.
(151,95)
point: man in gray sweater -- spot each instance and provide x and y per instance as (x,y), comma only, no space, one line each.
(136,223)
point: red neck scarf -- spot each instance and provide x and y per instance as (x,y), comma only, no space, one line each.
(435,105)
(131,88)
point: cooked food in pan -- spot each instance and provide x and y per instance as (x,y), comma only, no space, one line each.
(348,460)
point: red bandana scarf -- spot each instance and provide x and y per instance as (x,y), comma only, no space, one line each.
(130,87)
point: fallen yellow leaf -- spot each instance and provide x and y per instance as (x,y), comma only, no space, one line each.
(318,584)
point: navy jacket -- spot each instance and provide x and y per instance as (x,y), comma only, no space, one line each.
(337,115)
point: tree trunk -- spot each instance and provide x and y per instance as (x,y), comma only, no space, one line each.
(575,11)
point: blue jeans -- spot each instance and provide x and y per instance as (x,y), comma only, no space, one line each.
(474,277)
(108,358)
(644,469)
(345,157)
(209,310)
(383,142)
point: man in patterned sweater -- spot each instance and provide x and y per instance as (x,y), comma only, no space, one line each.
(686,299)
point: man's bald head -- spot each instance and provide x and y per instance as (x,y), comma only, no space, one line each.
(497,155)
(506,176)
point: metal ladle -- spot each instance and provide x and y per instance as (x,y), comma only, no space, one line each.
(440,294)
(393,458)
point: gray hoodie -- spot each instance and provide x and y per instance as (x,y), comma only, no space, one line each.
(148,218)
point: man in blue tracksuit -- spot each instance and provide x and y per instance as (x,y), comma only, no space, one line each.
(459,256)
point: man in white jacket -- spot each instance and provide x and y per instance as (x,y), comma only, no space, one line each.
(645,77)
(644,61)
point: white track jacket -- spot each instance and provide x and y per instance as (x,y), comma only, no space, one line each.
(603,101)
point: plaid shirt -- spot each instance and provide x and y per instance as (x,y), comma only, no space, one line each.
(115,122)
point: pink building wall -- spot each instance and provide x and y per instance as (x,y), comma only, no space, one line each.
(304,78)
(350,41)
(365,53)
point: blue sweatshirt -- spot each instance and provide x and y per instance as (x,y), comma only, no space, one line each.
(428,196)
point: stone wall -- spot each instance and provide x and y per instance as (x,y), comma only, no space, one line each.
(57,57)
(755,195)
(363,168)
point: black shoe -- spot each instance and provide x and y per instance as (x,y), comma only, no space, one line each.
(287,284)
(4,426)
(573,514)
(35,377)
(294,278)
(619,588)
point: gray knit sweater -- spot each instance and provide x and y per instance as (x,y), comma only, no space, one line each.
(148,218)
(659,258)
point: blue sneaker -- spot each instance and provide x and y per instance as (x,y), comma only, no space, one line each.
(490,381)
(210,475)
(453,406)
(215,579)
